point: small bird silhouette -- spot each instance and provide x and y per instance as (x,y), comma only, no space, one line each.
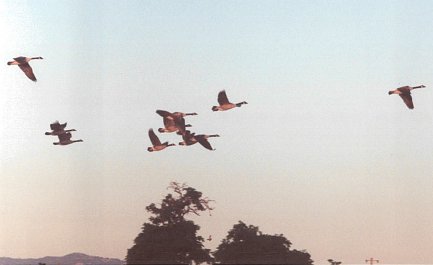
(224,103)
(404,93)
(157,145)
(23,63)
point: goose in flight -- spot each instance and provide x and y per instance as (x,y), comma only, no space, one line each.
(224,102)
(174,122)
(65,139)
(58,128)
(23,63)
(404,93)
(191,138)
(157,145)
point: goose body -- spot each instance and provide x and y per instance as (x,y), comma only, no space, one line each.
(225,104)
(58,128)
(23,63)
(173,122)
(156,143)
(191,138)
(405,93)
(65,139)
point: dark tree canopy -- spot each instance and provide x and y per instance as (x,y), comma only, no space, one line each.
(170,238)
(247,245)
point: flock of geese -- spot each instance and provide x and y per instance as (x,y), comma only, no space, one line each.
(173,122)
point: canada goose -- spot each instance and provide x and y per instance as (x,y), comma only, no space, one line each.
(157,145)
(404,93)
(58,128)
(191,138)
(65,139)
(23,63)
(173,122)
(224,102)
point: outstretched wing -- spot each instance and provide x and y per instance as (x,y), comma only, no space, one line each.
(56,126)
(222,98)
(407,98)
(27,70)
(163,113)
(65,136)
(404,89)
(204,142)
(153,138)
(20,59)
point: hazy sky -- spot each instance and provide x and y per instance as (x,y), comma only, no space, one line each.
(321,154)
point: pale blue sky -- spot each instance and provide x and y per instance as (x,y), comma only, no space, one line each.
(321,153)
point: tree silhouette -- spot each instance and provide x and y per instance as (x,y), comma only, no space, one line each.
(170,238)
(247,245)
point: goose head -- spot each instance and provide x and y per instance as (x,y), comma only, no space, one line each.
(150,149)
(241,103)
(191,114)
(37,57)
(215,108)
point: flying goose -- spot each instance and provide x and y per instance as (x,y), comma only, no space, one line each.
(190,139)
(65,139)
(58,128)
(173,122)
(404,93)
(224,102)
(23,63)
(157,145)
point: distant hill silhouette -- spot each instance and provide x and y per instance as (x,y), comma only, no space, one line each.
(70,259)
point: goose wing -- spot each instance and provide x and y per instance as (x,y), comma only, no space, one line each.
(153,138)
(204,142)
(407,98)
(28,71)
(56,126)
(65,136)
(164,113)
(222,98)
(404,89)
(20,59)
(168,123)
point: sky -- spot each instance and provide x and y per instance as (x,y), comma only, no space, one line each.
(321,153)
